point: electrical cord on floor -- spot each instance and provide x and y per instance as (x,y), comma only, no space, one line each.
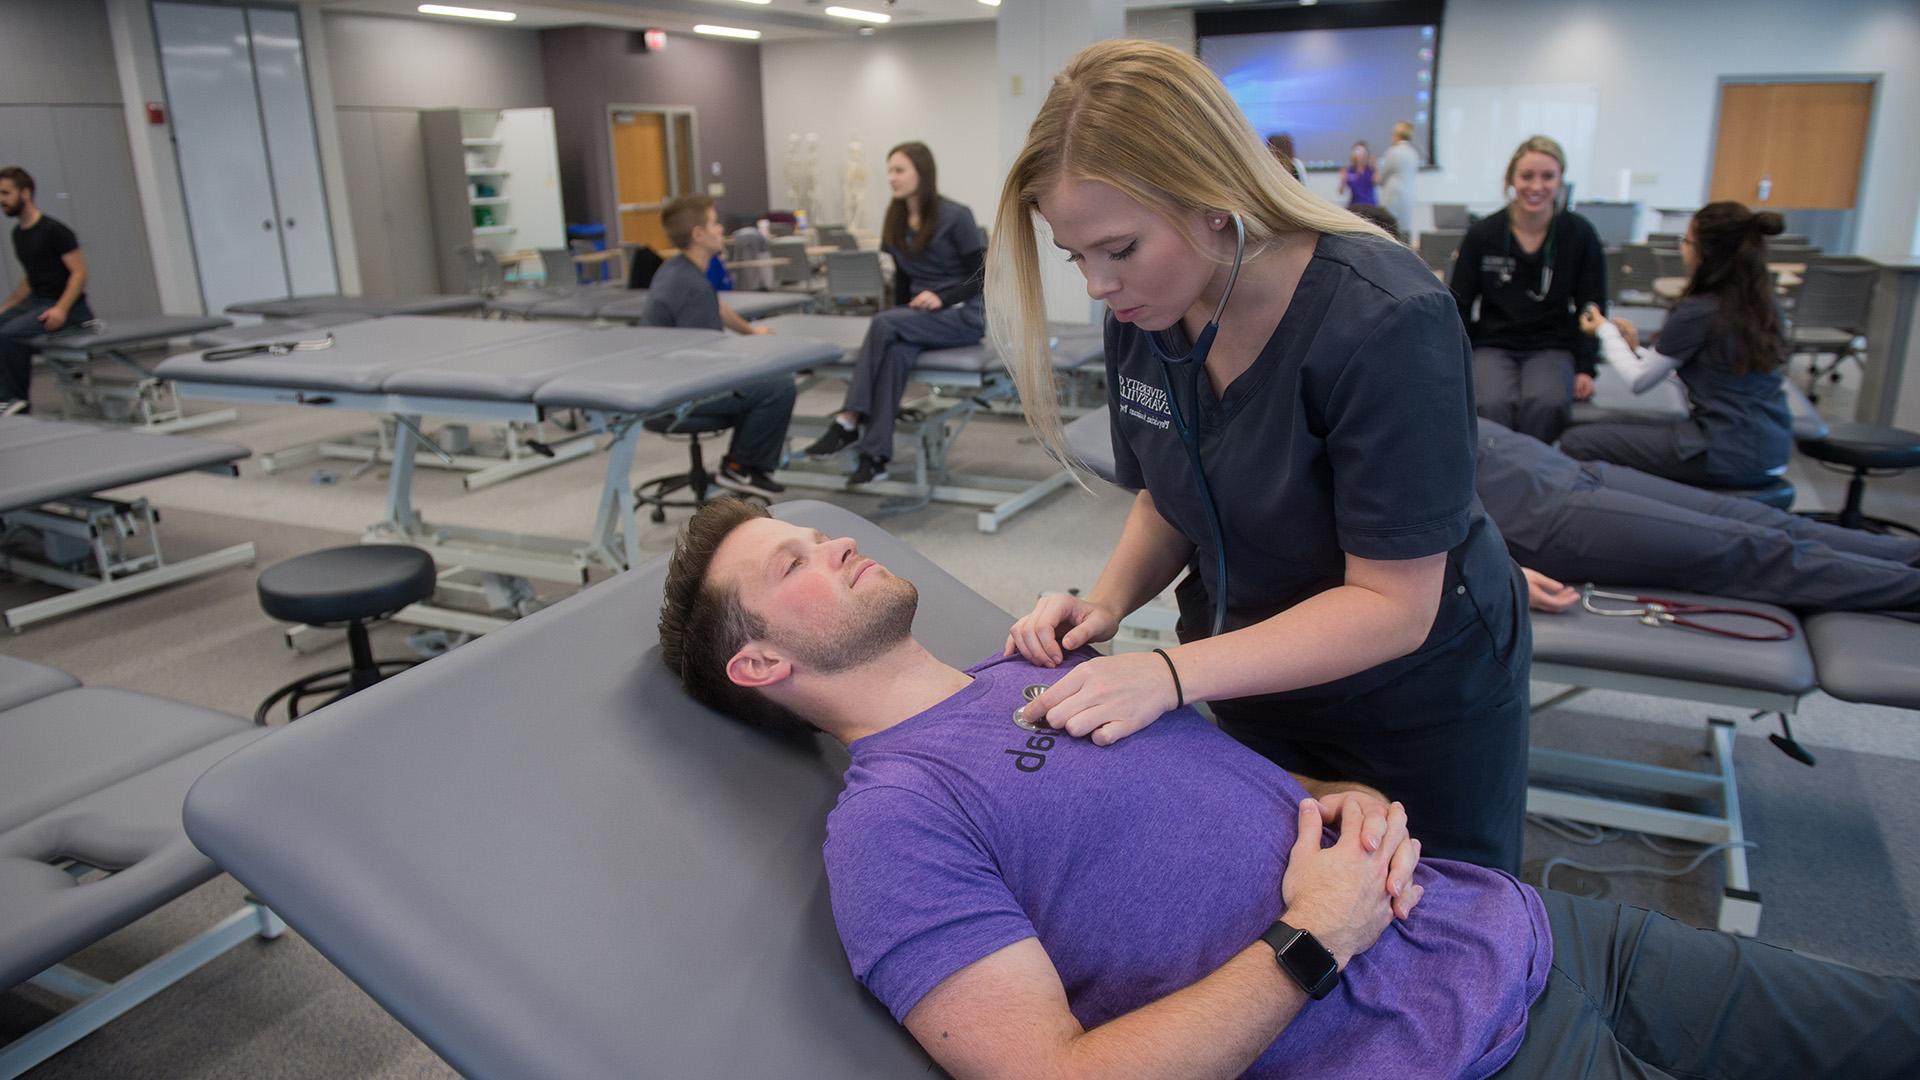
(1593,836)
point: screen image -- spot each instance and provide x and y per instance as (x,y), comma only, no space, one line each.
(1331,88)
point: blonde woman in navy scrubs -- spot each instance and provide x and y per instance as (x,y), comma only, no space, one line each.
(1291,395)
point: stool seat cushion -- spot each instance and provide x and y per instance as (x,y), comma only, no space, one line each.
(1866,446)
(686,425)
(343,584)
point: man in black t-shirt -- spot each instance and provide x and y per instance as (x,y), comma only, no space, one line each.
(52,295)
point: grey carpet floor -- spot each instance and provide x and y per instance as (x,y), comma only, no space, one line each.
(1837,866)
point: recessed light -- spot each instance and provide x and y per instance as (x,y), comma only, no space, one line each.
(762,3)
(858,15)
(991,3)
(467,12)
(727,31)
(865,31)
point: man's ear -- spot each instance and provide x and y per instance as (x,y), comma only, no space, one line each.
(758,665)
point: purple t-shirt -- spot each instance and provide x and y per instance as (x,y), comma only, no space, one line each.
(1142,867)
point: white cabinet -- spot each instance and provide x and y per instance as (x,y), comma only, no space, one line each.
(493,176)
(249,164)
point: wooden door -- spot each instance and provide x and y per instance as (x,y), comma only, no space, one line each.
(1791,146)
(641,172)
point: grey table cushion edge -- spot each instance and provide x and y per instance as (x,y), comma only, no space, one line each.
(132,826)
(304,328)
(1866,657)
(135,330)
(544,860)
(1581,639)
(102,459)
(22,681)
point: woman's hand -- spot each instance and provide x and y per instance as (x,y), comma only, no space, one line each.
(1629,332)
(1107,698)
(1582,386)
(1591,320)
(926,301)
(1546,594)
(1058,624)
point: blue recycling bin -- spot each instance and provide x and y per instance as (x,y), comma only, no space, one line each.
(596,236)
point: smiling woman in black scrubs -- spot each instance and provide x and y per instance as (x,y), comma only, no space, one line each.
(1348,608)
(1532,267)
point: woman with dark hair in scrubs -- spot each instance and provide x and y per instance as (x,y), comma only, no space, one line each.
(937,251)
(1290,394)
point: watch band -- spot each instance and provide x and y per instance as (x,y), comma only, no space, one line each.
(1304,959)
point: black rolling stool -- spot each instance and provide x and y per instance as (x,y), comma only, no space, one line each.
(1863,448)
(697,481)
(347,587)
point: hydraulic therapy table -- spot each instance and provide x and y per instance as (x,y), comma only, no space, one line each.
(410,368)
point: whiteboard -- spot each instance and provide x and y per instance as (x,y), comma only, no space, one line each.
(1478,127)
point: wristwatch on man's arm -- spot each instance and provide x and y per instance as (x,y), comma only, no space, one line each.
(1304,959)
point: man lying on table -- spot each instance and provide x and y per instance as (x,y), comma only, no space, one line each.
(1030,903)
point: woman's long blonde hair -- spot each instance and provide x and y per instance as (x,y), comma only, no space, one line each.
(1157,125)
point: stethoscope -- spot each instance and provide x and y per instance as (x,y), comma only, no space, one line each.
(1195,361)
(1546,261)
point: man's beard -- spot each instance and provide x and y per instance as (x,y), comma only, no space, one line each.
(14,210)
(830,649)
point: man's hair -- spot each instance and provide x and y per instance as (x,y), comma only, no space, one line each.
(703,624)
(21,178)
(683,215)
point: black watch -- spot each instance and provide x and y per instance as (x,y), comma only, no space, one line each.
(1303,958)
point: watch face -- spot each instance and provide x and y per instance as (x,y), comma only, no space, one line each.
(1310,964)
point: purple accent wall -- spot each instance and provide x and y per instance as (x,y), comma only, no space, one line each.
(588,68)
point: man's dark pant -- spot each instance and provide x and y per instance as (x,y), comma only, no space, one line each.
(1635,529)
(1527,390)
(895,339)
(760,410)
(19,325)
(1634,994)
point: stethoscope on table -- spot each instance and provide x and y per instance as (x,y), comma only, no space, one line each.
(1659,611)
(1195,361)
(267,348)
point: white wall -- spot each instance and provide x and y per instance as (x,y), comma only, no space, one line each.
(934,84)
(1656,65)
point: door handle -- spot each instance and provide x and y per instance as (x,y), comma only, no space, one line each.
(1766,188)
(267,225)
(289,223)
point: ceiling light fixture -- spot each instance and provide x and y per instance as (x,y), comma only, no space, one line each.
(762,3)
(991,3)
(727,31)
(467,13)
(859,16)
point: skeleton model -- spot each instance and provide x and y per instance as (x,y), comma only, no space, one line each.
(853,187)
(802,170)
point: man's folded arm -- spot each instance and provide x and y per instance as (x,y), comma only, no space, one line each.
(1006,1015)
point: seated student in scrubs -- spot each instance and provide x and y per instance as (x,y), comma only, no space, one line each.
(1522,275)
(1726,342)
(937,251)
(1029,903)
(681,295)
(1291,397)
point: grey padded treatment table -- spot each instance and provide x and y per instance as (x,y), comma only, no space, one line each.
(294,307)
(303,328)
(963,382)
(410,367)
(633,888)
(91,840)
(616,303)
(1875,656)
(146,401)
(50,474)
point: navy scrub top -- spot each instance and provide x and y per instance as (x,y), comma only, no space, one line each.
(1740,422)
(1352,432)
(950,255)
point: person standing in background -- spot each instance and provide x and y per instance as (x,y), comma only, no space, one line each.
(1357,177)
(1399,168)
(1281,145)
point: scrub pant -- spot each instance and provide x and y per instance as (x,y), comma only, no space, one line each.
(1655,448)
(1634,994)
(760,410)
(19,325)
(1527,390)
(1459,765)
(1635,529)
(895,340)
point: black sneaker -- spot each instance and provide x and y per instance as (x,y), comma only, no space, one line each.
(872,470)
(745,478)
(836,439)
